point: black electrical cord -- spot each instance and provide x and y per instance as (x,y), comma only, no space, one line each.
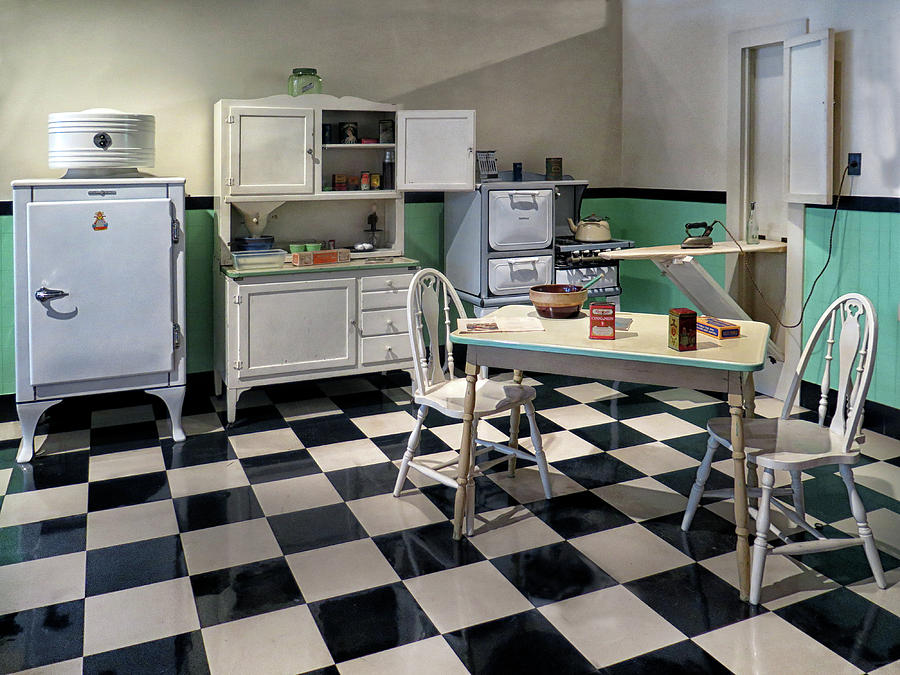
(837,202)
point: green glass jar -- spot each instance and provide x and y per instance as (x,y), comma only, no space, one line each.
(304,81)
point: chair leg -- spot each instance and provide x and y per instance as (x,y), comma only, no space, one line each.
(865,532)
(699,484)
(752,482)
(514,416)
(411,447)
(797,493)
(538,444)
(760,544)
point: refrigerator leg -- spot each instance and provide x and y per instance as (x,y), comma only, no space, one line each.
(232,394)
(217,384)
(173,397)
(29,415)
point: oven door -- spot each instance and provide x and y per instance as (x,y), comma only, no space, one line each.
(520,219)
(514,276)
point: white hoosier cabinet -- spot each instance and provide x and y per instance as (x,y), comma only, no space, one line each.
(275,175)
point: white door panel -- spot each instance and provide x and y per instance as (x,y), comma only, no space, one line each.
(117,317)
(436,150)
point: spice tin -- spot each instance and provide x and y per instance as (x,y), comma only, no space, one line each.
(553,169)
(682,329)
(386,131)
(602,321)
(339,181)
(375,181)
(353,182)
(364,179)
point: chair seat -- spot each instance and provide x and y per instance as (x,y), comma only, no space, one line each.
(490,397)
(787,445)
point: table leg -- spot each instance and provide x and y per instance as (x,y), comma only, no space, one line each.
(749,391)
(465,451)
(514,416)
(736,408)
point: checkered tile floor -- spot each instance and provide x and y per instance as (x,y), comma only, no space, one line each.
(276,546)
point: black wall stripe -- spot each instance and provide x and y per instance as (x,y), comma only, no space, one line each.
(5,208)
(197,203)
(703,196)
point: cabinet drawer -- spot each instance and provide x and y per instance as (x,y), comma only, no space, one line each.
(99,192)
(383,299)
(386,348)
(386,283)
(383,322)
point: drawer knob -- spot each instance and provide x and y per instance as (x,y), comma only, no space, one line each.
(388,348)
(389,282)
(390,322)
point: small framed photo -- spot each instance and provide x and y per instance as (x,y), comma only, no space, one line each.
(386,131)
(349,132)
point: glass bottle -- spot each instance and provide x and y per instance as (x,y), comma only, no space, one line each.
(304,81)
(752,225)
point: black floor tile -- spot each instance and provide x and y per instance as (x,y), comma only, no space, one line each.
(49,471)
(43,539)
(846,565)
(548,398)
(827,500)
(488,496)
(326,430)
(552,380)
(552,573)
(293,391)
(370,621)
(576,514)
(693,599)
(72,414)
(279,465)
(682,481)
(694,446)
(136,564)
(612,436)
(545,425)
(251,420)
(390,379)
(246,590)
(425,550)
(179,655)
(124,437)
(597,470)
(860,631)
(395,445)
(702,414)
(196,450)
(709,535)
(210,509)
(523,643)
(365,403)
(366,481)
(41,636)
(314,528)
(437,419)
(110,494)
(627,407)
(682,658)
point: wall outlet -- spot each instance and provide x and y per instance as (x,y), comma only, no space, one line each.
(854,163)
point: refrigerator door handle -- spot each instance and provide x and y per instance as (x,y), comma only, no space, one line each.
(44,294)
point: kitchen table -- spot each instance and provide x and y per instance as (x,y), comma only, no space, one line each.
(639,354)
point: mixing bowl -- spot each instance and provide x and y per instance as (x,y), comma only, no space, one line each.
(558,301)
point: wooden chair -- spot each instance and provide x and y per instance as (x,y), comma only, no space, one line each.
(795,445)
(428,308)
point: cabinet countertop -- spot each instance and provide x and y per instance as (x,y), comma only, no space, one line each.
(353,265)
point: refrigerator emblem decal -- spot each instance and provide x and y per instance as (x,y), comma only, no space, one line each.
(99,221)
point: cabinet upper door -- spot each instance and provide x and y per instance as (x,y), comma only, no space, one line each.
(271,151)
(436,150)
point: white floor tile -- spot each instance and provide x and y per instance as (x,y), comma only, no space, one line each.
(782,478)
(45,581)
(642,498)
(337,570)
(766,406)
(630,552)
(889,669)
(71,667)
(283,642)
(576,416)
(431,461)
(465,596)
(229,545)
(46,504)
(432,656)
(193,425)
(193,480)
(880,446)
(888,598)
(610,625)
(654,458)
(885,526)
(385,424)
(562,445)
(295,494)
(385,513)
(683,399)
(307,408)
(769,644)
(526,485)
(264,442)
(347,454)
(662,426)
(124,525)
(140,614)
(879,476)
(5,475)
(507,376)
(10,431)
(510,530)
(125,463)
(451,434)
(590,392)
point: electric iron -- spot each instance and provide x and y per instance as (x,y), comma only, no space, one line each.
(698,240)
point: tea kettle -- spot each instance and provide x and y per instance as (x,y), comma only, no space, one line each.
(591,229)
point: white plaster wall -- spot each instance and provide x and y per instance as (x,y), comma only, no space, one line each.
(174,59)
(674,92)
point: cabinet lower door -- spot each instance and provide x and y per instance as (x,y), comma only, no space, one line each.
(296,326)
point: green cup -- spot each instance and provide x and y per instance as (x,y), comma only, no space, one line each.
(297,248)
(314,247)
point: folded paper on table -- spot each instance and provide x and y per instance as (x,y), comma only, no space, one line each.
(500,325)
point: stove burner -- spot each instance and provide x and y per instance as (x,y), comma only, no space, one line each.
(573,254)
(569,244)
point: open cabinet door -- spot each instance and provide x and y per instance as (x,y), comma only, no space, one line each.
(436,150)
(808,117)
